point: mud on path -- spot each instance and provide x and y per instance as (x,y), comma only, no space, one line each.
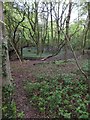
(23,72)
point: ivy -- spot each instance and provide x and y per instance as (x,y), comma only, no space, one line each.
(4,54)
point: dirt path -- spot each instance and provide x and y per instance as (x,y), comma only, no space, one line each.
(20,75)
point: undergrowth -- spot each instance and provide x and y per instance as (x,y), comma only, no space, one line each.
(60,96)
(9,110)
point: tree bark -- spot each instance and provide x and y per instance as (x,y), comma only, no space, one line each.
(67,27)
(6,74)
(51,15)
(89,54)
(0,60)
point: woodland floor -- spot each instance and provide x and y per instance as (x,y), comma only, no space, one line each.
(27,72)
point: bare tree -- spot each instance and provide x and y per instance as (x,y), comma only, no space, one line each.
(51,15)
(44,13)
(67,27)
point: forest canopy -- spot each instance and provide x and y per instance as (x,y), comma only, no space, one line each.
(44,24)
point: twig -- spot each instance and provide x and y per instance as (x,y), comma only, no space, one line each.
(2,22)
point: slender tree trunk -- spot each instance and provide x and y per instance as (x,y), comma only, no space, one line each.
(36,27)
(67,28)
(51,24)
(42,43)
(85,40)
(58,23)
(48,43)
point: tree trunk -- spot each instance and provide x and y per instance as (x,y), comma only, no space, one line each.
(67,28)
(58,23)
(51,15)
(48,47)
(6,74)
(89,53)
(0,60)
(37,27)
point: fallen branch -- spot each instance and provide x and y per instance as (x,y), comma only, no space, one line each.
(63,44)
